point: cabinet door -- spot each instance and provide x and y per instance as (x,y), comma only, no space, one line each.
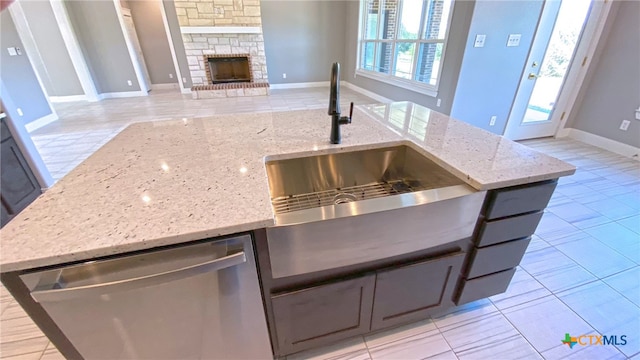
(322,314)
(412,292)
(18,186)
(4,215)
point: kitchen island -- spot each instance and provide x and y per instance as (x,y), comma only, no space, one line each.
(172,182)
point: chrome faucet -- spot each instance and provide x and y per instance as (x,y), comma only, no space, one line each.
(334,106)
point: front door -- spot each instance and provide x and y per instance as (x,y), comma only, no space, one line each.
(550,58)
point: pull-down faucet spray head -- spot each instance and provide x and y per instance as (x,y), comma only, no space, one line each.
(334,106)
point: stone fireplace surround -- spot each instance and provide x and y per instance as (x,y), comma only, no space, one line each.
(205,26)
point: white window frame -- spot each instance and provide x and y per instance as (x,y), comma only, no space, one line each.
(409,84)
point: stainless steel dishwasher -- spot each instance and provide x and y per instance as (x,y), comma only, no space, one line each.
(199,301)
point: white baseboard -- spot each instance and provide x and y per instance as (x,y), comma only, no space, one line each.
(170,86)
(604,143)
(185,91)
(43,121)
(299,85)
(564,132)
(68,98)
(366,92)
(124,94)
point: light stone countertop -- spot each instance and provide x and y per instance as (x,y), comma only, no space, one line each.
(168,182)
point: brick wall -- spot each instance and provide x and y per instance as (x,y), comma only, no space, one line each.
(428,56)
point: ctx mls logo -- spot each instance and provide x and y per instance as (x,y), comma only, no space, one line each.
(584,340)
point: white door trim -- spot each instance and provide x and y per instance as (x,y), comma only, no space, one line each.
(167,30)
(591,37)
(75,52)
(132,52)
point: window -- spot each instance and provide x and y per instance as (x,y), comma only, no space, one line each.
(402,41)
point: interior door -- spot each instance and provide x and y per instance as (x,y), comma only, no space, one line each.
(550,58)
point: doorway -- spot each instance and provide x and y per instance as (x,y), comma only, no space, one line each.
(559,31)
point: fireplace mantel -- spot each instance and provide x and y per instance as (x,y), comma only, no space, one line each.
(220,30)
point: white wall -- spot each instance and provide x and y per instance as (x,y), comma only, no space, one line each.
(611,91)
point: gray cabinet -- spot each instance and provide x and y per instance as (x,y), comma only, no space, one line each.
(328,312)
(18,186)
(412,292)
(4,214)
(510,216)
(324,313)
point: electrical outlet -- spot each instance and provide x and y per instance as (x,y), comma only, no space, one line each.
(479,40)
(284,75)
(492,122)
(19,111)
(438,102)
(129,83)
(184,80)
(638,113)
(170,76)
(514,40)
(625,125)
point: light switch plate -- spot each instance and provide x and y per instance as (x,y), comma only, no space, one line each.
(514,40)
(479,40)
(12,51)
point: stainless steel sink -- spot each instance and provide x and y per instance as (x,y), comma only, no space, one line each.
(340,209)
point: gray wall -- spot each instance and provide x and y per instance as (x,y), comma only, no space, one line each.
(462,12)
(611,91)
(176,39)
(303,39)
(19,81)
(490,75)
(153,40)
(57,72)
(97,27)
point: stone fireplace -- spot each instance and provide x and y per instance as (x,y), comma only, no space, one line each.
(218,35)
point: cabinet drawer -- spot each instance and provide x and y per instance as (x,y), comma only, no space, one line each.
(519,199)
(516,227)
(321,314)
(485,286)
(496,258)
(412,292)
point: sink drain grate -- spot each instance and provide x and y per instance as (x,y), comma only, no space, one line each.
(285,204)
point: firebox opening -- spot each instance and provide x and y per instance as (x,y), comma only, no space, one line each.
(229,69)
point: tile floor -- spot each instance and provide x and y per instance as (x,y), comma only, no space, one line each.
(580,275)
(84,127)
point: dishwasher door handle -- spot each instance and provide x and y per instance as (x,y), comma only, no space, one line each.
(56,293)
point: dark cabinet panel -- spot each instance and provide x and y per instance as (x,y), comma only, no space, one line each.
(515,227)
(519,199)
(485,286)
(321,314)
(4,215)
(412,292)
(4,131)
(18,186)
(496,258)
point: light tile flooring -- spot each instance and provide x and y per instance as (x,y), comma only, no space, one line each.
(84,127)
(580,275)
